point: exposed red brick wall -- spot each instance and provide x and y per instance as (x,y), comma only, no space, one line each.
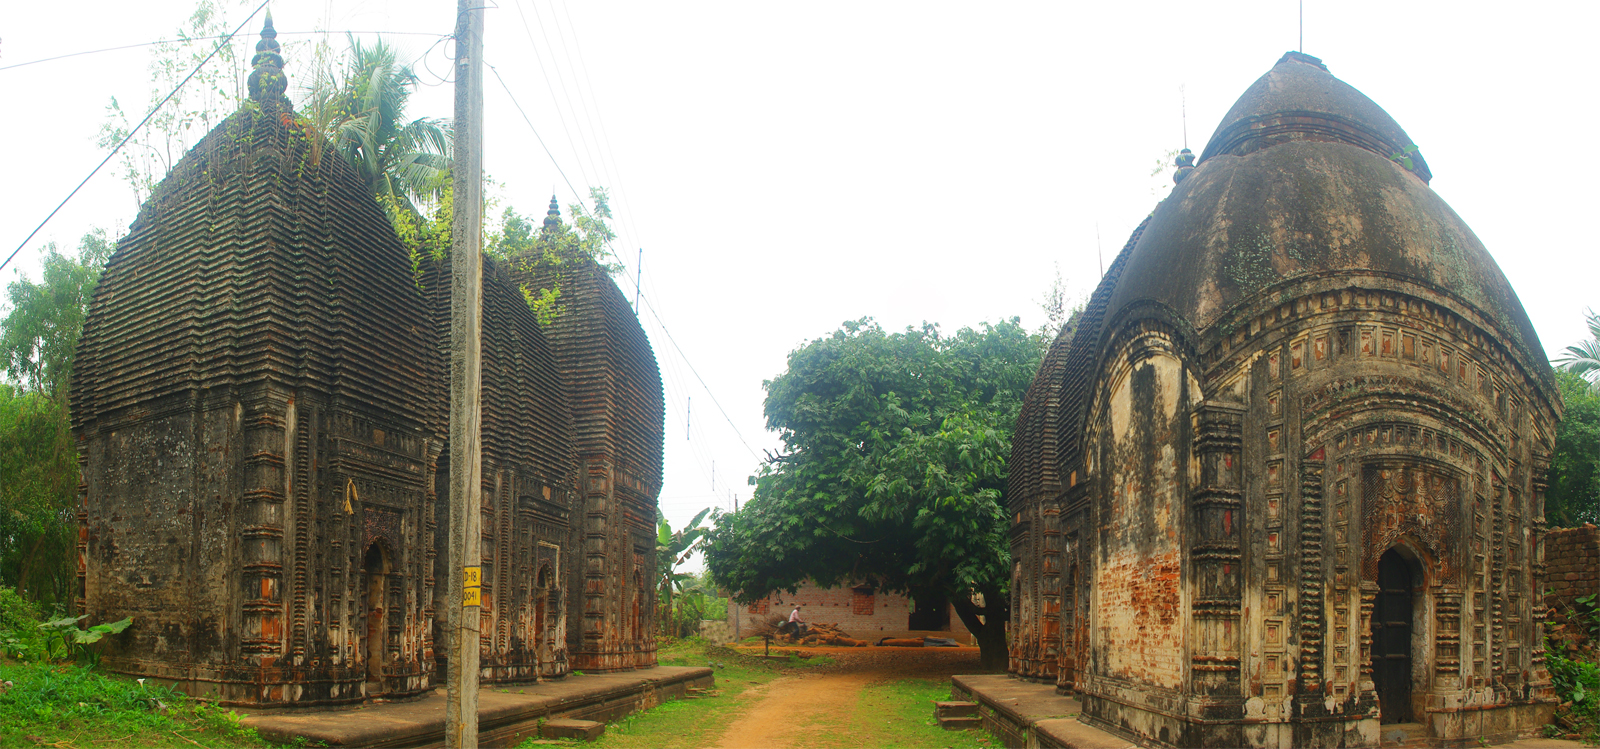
(864,616)
(1572,566)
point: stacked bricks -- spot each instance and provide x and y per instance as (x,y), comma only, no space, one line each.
(1572,560)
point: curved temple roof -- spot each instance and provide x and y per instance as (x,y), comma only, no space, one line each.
(1300,180)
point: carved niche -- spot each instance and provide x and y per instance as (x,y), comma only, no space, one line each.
(1418,501)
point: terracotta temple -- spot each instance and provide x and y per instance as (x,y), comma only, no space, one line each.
(260,404)
(1284,484)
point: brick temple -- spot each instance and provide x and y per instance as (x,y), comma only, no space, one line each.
(1284,485)
(260,404)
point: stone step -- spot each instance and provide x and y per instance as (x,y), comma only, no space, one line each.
(571,728)
(955,709)
(1405,735)
(960,723)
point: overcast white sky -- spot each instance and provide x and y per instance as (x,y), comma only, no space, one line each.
(787,167)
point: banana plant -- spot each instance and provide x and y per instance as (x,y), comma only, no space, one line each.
(673,548)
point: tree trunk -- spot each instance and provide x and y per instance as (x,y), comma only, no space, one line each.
(991,632)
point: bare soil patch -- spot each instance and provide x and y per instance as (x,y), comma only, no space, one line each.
(816,706)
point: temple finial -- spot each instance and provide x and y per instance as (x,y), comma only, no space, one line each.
(1184,164)
(267,81)
(552,217)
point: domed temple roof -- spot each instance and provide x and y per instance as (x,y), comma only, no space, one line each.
(1307,177)
(1299,100)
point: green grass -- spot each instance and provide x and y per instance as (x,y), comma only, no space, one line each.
(694,722)
(73,706)
(899,715)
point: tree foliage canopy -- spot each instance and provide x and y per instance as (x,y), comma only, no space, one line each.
(555,249)
(38,338)
(1583,358)
(361,111)
(41,327)
(1573,496)
(896,446)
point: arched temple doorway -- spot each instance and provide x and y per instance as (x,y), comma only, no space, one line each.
(1393,628)
(375,568)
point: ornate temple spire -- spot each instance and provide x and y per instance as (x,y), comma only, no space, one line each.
(552,217)
(1185,164)
(267,81)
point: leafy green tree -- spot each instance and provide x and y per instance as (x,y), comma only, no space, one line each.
(893,471)
(554,250)
(361,110)
(38,458)
(1583,357)
(40,331)
(38,534)
(1573,496)
(1061,312)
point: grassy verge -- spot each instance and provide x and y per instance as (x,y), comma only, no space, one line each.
(895,715)
(698,721)
(72,707)
(899,715)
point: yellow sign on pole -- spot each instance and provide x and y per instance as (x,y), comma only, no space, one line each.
(471,586)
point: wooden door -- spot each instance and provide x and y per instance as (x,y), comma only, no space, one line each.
(1391,638)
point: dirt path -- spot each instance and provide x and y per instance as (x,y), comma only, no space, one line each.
(797,711)
(817,707)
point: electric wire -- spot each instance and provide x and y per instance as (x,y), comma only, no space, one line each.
(696,450)
(588,112)
(614,171)
(201,39)
(132,132)
(561,117)
(535,130)
(624,269)
(568,94)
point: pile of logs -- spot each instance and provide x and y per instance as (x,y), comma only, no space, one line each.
(829,634)
(777,627)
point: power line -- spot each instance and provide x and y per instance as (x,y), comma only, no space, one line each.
(697,376)
(629,276)
(535,130)
(627,216)
(201,39)
(132,132)
(559,116)
(568,52)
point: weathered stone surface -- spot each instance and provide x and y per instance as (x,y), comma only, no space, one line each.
(568,728)
(1302,360)
(259,403)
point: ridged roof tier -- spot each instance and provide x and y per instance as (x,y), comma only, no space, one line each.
(260,257)
(610,370)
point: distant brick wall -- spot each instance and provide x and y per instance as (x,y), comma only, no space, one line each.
(1572,566)
(865,616)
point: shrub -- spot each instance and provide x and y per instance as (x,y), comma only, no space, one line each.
(20,636)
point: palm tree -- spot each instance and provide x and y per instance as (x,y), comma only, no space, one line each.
(361,109)
(1583,357)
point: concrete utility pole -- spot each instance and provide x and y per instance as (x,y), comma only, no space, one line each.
(466,325)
